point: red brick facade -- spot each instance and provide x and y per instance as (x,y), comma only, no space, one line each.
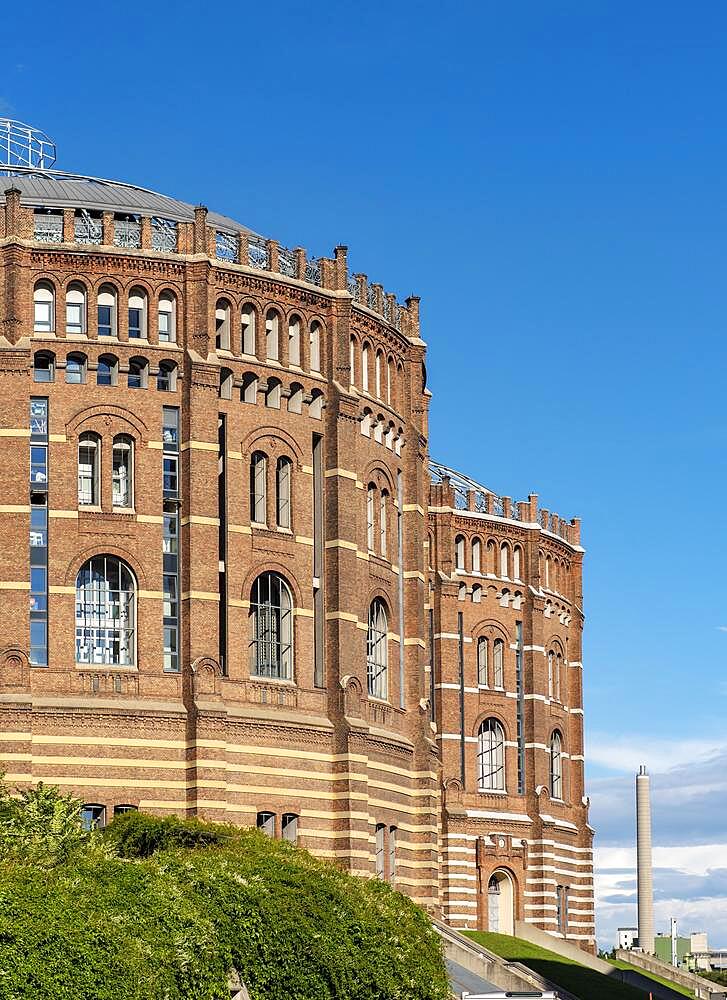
(379,780)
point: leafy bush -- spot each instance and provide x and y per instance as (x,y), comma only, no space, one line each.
(165,909)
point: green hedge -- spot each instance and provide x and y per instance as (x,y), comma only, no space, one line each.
(164,909)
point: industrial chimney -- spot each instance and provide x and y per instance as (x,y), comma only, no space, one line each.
(644,874)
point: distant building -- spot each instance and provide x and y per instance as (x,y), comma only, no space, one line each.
(628,937)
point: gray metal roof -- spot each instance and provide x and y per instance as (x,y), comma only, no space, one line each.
(56,189)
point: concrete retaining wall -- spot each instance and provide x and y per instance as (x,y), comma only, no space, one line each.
(701,988)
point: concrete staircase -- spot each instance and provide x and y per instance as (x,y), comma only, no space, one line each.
(486,965)
(701,988)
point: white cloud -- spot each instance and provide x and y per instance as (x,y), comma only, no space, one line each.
(628,752)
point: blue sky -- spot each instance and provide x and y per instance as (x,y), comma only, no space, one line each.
(550,178)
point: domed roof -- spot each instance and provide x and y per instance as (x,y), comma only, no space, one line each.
(57,189)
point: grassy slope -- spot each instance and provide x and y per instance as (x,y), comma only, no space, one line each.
(577,979)
(651,975)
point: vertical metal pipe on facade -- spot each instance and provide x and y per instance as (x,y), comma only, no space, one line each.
(644,870)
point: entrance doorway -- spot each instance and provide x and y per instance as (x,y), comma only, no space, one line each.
(500,903)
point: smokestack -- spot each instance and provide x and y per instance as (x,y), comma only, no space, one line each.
(644,873)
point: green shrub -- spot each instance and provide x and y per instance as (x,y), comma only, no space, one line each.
(164,909)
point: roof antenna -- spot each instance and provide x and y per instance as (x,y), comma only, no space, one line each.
(22,145)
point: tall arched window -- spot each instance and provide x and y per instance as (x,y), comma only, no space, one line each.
(498,665)
(365,367)
(390,377)
(482,658)
(123,471)
(383,501)
(273,393)
(167,376)
(248,390)
(89,463)
(295,398)
(258,487)
(138,377)
(377,651)
(556,765)
(75,308)
(547,571)
(107,370)
(247,321)
(272,347)
(370,516)
(105,612)
(504,560)
(377,370)
(315,346)
(558,666)
(226,379)
(476,555)
(283,478)
(137,314)
(106,311)
(43,307)
(491,756)
(271,614)
(516,562)
(167,318)
(294,341)
(459,553)
(222,325)
(551,672)
(352,361)
(315,407)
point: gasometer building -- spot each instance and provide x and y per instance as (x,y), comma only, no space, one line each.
(235,585)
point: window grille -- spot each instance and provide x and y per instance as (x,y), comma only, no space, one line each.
(271,611)
(377,653)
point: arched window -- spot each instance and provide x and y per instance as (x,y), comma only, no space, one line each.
(315,346)
(366,423)
(377,369)
(462,592)
(107,370)
(558,666)
(315,407)
(551,673)
(258,487)
(459,553)
(93,816)
(482,658)
(365,367)
(380,856)
(491,756)
(379,428)
(247,322)
(476,593)
(167,377)
(266,822)
(225,383)
(476,555)
(248,390)
(370,516)
(271,613)
(89,463)
(167,318)
(75,308)
(516,562)
(294,341)
(283,479)
(105,612)
(106,311)
(123,471)
(295,399)
(272,393)
(498,666)
(44,366)
(43,307)
(377,652)
(272,347)
(76,369)
(289,828)
(383,501)
(504,560)
(137,314)
(556,765)
(222,325)
(547,571)
(138,377)
(390,377)
(352,361)
(491,557)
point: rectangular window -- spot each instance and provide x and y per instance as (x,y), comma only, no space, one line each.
(74,317)
(392,853)
(165,327)
(43,317)
(121,476)
(105,321)
(380,850)
(171,662)
(38,588)
(38,527)
(38,532)
(135,321)
(171,469)
(38,464)
(170,427)
(38,643)
(170,596)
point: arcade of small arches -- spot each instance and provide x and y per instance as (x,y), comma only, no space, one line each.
(80,320)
